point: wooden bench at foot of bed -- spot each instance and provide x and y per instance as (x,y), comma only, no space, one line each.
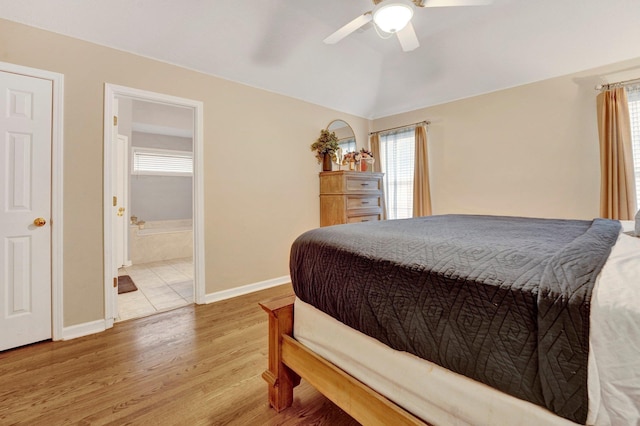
(289,361)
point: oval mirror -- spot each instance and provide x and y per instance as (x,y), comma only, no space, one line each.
(345,134)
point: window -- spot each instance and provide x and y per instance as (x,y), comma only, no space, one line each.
(633,95)
(161,162)
(347,145)
(397,150)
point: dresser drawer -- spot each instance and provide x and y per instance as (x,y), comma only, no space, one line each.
(362,202)
(362,184)
(365,218)
(350,197)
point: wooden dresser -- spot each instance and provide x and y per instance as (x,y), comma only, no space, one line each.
(348,197)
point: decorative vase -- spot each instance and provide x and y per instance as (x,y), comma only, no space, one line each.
(363,165)
(326,163)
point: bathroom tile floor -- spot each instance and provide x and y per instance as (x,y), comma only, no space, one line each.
(162,285)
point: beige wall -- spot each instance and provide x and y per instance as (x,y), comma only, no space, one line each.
(261,183)
(531,150)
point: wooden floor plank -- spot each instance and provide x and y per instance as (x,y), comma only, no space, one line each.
(197,365)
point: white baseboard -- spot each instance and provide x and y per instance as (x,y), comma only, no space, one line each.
(83,329)
(245,289)
(99,326)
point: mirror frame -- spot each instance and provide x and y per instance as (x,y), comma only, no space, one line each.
(347,125)
(339,160)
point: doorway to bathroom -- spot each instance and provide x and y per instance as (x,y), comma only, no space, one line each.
(153,205)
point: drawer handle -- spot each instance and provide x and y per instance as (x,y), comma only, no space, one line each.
(364,184)
(364,202)
(364,220)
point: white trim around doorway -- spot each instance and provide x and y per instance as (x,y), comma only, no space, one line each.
(111,92)
(57,145)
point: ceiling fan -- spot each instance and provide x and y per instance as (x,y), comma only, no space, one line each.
(394,17)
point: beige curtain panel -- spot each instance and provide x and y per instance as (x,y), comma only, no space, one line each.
(421,191)
(617,188)
(374,143)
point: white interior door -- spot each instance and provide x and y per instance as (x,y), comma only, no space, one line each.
(25,209)
(115,212)
(121,186)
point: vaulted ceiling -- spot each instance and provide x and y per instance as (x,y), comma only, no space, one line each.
(277,44)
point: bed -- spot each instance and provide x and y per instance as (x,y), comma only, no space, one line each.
(534,321)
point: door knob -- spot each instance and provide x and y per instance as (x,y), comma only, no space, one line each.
(39,221)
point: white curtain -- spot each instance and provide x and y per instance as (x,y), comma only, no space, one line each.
(397,153)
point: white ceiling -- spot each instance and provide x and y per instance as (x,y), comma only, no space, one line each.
(277,44)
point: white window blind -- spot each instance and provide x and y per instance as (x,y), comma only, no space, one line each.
(397,151)
(633,95)
(147,161)
(347,145)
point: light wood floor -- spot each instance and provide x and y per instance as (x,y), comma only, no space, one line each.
(197,365)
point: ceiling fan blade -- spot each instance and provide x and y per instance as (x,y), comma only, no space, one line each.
(449,3)
(407,38)
(349,28)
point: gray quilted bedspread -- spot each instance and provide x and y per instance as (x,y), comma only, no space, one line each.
(502,300)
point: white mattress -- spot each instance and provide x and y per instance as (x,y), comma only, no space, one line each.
(442,397)
(614,337)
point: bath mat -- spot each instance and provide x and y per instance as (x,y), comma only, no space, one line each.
(125,284)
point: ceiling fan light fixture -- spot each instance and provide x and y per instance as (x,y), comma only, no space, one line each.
(392,16)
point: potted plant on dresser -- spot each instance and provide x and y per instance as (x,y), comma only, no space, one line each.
(325,147)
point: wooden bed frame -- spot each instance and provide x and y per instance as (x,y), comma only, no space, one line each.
(289,361)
